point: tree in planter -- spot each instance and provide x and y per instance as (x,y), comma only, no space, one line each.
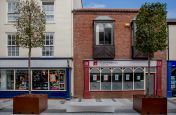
(151,30)
(30,29)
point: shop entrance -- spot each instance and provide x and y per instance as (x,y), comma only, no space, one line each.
(173,82)
(150,83)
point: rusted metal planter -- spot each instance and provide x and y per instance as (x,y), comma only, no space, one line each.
(30,104)
(150,104)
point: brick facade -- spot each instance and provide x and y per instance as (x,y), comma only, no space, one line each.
(83,45)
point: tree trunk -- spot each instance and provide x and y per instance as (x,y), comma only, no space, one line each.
(29,70)
(148,75)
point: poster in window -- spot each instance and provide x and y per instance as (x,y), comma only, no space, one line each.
(52,78)
(127,77)
(94,77)
(138,77)
(105,77)
(116,77)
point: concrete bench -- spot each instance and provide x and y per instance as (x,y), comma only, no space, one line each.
(4,104)
(90,107)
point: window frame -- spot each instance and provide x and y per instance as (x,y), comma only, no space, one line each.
(113,33)
(48,21)
(50,46)
(12,12)
(17,48)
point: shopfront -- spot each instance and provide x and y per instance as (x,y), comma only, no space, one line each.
(171,78)
(50,77)
(120,78)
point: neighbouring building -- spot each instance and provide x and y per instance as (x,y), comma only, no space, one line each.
(171,63)
(52,65)
(106,63)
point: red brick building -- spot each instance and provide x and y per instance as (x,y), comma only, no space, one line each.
(106,63)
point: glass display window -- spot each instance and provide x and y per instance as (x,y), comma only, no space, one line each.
(106,79)
(94,79)
(57,79)
(40,79)
(117,79)
(139,78)
(21,79)
(128,79)
(6,79)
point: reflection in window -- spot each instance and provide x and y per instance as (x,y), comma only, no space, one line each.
(139,79)
(57,79)
(6,79)
(13,49)
(21,80)
(94,79)
(40,79)
(48,8)
(106,79)
(104,33)
(117,79)
(12,11)
(128,79)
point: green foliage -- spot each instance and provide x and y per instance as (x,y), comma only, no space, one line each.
(151,28)
(30,25)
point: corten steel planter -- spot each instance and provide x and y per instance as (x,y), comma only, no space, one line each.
(150,104)
(30,103)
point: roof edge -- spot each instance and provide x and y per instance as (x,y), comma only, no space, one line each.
(105,10)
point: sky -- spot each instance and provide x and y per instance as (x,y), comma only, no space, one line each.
(171,4)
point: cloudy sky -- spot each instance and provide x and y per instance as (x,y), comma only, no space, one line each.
(171,4)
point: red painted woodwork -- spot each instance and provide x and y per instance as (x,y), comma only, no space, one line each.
(86,80)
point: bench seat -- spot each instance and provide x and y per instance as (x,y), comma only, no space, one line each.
(90,107)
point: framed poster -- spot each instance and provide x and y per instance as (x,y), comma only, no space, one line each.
(127,77)
(94,77)
(138,77)
(116,77)
(105,77)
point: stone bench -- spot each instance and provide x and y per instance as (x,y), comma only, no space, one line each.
(90,107)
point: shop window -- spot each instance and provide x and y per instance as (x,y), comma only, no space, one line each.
(6,80)
(48,8)
(128,79)
(106,79)
(94,79)
(57,79)
(48,49)
(139,78)
(13,49)
(117,79)
(12,11)
(21,80)
(173,81)
(40,79)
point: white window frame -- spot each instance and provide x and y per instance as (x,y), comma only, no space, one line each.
(16,50)
(49,9)
(48,45)
(122,69)
(12,11)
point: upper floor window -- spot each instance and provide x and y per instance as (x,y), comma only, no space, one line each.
(48,8)
(13,49)
(104,33)
(48,49)
(12,11)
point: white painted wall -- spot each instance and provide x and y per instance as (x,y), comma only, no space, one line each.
(62,28)
(172,42)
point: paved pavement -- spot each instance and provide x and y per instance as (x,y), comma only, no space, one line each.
(57,106)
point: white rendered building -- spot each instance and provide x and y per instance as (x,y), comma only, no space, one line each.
(52,65)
